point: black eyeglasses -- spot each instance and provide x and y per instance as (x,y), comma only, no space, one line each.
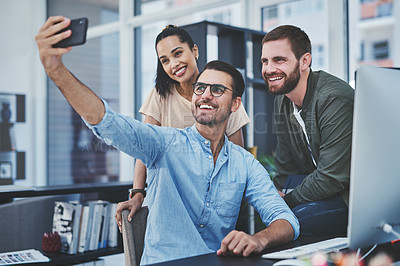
(216,89)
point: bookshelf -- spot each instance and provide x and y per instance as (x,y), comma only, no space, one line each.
(112,191)
(12,161)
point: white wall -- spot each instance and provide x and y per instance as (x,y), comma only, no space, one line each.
(22,73)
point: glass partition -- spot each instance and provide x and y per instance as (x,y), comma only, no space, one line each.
(374,34)
(75,155)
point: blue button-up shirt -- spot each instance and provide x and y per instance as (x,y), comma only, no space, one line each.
(193,204)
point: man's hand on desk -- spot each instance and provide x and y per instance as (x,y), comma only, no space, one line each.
(240,243)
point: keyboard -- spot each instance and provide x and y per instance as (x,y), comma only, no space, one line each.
(330,245)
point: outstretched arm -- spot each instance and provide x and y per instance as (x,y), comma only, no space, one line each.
(81,98)
(139,181)
(240,243)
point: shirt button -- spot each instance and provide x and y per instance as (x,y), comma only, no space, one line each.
(209,157)
(206,142)
(208,204)
(202,225)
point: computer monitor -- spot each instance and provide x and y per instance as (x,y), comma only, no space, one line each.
(375,159)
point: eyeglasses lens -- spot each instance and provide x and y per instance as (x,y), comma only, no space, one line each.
(216,89)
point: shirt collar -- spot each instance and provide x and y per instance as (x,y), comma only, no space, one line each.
(311,85)
(205,141)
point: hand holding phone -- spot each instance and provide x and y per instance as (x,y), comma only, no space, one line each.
(78,29)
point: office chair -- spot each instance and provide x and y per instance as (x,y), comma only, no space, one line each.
(133,235)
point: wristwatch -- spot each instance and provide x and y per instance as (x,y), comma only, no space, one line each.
(133,191)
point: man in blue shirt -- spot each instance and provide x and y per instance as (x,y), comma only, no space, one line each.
(197,178)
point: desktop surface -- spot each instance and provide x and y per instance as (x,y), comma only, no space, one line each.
(212,259)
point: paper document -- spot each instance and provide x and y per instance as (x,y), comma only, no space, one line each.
(22,256)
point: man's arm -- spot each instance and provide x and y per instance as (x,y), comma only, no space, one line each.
(139,181)
(240,243)
(80,97)
(282,224)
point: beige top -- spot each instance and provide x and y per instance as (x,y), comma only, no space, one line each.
(175,111)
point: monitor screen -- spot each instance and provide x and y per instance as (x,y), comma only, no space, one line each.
(375,163)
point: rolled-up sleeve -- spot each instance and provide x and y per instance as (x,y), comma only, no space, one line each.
(137,139)
(264,197)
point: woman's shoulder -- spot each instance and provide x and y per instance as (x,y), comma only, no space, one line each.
(156,97)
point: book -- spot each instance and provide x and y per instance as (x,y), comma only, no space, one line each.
(96,223)
(76,226)
(113,227)
(63,223)
(104,227)
(91,205)
(83,229)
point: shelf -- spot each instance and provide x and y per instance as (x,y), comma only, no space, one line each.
(17,106)
(56,259)
(41,211)
(9,192)
(12,166)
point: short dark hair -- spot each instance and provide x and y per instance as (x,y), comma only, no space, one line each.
(237,78)
(163,81)
(298,39)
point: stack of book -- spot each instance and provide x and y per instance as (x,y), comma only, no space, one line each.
(85,227)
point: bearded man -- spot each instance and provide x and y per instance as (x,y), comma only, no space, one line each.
(313,116)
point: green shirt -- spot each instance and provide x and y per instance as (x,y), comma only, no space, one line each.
(327,112)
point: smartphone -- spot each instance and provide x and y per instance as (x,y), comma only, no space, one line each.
(78,28)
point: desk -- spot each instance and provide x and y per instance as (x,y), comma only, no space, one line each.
(213,259)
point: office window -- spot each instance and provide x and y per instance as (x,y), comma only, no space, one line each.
(150,6)
(381,50)
(271,12)
(319,5)
(318,56)
(376,8)
(373,34)
(362,51)
(92,9)
(75,155)
(311,16)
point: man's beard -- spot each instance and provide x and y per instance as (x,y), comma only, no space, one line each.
(213,120)
(290,83)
